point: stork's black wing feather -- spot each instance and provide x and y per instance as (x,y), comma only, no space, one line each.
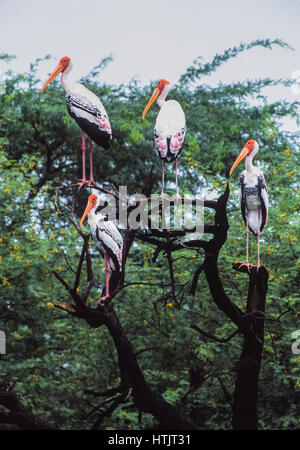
(107,249)
(90,119)
(263,195)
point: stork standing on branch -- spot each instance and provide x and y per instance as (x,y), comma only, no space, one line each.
(253,196)
(170,128)
(87,110)
(107,238)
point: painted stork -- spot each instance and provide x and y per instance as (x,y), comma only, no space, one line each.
(107,238)
(170,128)
(253,196)
(87,110)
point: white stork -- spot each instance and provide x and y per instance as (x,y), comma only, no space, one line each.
(170,128)
(87,110)
(107,238)
(253,195)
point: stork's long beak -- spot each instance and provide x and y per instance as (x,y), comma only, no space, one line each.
(241,156)
(59,68)
(151,101)
(89,206)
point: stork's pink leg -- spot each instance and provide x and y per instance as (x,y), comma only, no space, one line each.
(83,147)
(91,180)
(258,235)
(176,173)
(247,247)
(246,263)
(163,179)
(106,278)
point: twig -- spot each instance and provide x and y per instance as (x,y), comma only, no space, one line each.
(210,336)
(67,262)
(108,411)
(227,394)
(100,406)
(78,272)
(146,350)
(103,394)
(169,256)
(195,279)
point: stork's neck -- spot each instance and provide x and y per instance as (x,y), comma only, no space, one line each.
(162,98)
(248,163)
(94,218)
(66,84)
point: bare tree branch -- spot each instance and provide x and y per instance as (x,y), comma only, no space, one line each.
(214,338)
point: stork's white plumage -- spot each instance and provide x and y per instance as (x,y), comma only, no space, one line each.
(170,126)
(106,236)
(87,110)
(253,195)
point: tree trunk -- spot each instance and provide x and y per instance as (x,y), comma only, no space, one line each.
(248,367)
(168,416)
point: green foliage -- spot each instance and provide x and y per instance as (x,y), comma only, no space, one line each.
(197,69)
(54,358)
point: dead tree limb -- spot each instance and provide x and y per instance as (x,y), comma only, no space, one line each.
(214,338)
(249,323)
(248,367)
(132,379)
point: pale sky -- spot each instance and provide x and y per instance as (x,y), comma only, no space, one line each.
(152,39)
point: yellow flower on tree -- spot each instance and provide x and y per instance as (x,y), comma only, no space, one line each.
(5,281)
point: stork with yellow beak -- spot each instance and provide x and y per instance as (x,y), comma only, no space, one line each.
(253,196)
(170,128)
(107,238)
(87,110)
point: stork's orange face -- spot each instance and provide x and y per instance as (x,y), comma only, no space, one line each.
(161,84)
(250,146)
(91,203)
(247,150)
(65,61)
(61,67)
(157,91)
